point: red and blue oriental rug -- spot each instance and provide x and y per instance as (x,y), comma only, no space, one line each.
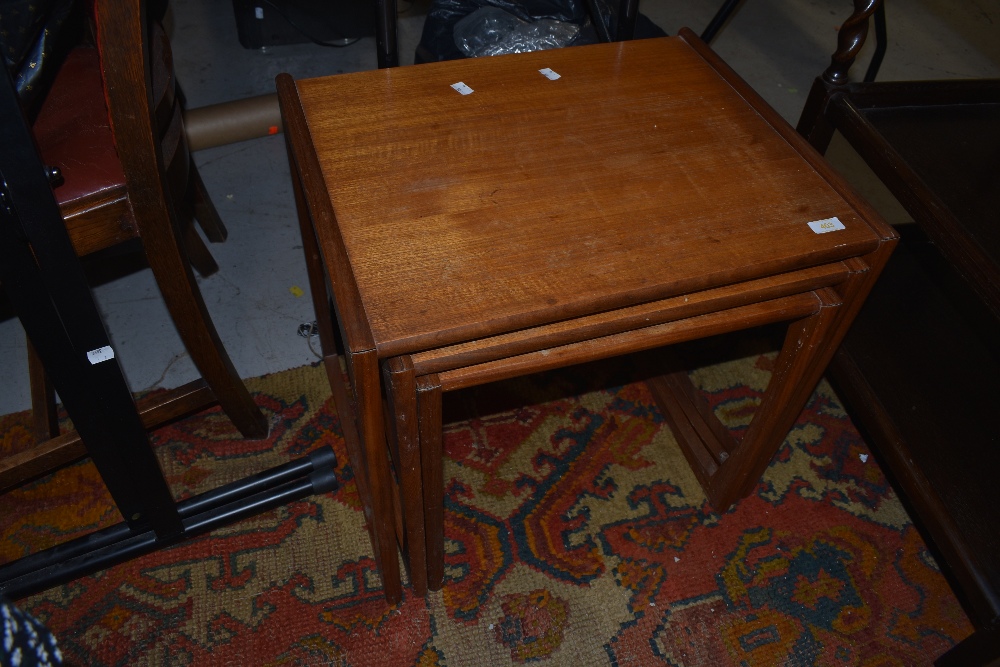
(576,535)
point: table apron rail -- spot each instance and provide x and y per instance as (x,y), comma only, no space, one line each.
(559,334)
(782,309)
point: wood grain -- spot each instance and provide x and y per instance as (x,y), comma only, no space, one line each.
(635,317)
(526,202)
(669,333)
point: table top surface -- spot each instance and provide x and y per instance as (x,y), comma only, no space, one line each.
(638,174)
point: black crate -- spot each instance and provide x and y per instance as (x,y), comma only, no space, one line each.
(273,22)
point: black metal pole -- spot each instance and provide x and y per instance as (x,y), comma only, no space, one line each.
(45,283)
(600,25)
(881,41)
(719,20)
(385,34)
(119,543)
(46,286)
(628,10)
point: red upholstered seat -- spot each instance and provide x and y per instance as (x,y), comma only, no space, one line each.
(73,131)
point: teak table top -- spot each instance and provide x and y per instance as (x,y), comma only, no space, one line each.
(638,174)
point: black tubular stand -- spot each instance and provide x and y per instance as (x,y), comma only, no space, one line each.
(719,20)
(45,284)
(385,34)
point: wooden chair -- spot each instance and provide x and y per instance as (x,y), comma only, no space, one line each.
(44,281)
(918,369)
(112,126)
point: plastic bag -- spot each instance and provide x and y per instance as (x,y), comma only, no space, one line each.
(438,40)
(490,31)
(32,40)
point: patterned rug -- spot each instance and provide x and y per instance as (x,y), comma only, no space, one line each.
(576,535)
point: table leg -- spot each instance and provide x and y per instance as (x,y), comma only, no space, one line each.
(729,470)
(806,351)
(361,419)
(375,468)
(401,396)
(432,461)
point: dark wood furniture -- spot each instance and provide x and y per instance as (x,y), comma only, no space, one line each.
(112,124)
(644,197)
(919,368)
(44,281)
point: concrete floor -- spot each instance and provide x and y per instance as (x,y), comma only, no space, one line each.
(260,296)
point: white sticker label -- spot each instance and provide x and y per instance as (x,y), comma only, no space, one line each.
(462,88)
(258,12)
(549,74)
(100,354)
(828,225)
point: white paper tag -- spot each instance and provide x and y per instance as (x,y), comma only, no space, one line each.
(549,74)
(828,225)
(100,354)
(462,88)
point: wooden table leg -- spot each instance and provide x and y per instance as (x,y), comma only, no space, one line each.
(728,470)
(365,443)
(401,396)
(800,364)
(432,461)
(375,468)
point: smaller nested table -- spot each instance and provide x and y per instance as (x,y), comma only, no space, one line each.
(481,219)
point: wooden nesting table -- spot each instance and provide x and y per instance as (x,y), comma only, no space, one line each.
(476,220)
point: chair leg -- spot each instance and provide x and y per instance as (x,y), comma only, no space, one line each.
(44,418)
(194,324)
(204,210)
(199,255)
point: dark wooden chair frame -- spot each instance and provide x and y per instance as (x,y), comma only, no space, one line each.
(44,280)
(161,195)
(918,369)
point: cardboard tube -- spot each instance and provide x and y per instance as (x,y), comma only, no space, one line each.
(230,122)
